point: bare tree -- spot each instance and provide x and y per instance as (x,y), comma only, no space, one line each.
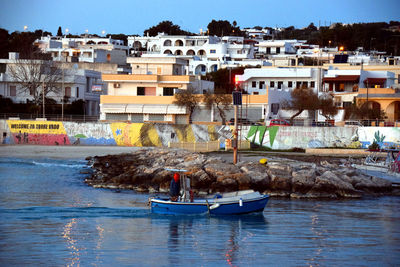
(187,99)
(327,107)
(222,102)
(36,77)
(301,99)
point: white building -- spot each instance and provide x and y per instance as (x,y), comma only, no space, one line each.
(277,47)
(277,84)
(205,53)
(84,49)
(75,83)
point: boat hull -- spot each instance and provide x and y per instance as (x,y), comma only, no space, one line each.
(215,207)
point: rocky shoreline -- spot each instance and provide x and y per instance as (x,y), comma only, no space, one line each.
(144,170)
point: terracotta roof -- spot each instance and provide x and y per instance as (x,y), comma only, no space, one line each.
(343,78)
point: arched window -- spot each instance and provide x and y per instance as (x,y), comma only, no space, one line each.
(167,43)
(178,43)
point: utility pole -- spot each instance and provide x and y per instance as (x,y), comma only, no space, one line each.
(62,97)
(237,100)
(43,98)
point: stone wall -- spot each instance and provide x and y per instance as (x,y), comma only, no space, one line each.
(159,135)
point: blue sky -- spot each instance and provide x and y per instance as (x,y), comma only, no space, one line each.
(133,17)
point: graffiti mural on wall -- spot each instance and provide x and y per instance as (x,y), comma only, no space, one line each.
(146,134)
(386,137)
(276,137)
(38,133)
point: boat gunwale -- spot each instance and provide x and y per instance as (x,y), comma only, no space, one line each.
(203,202)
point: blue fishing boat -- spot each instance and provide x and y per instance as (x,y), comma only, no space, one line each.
(232,203)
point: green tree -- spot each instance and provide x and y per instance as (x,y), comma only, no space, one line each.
(224,79)
(59,31)
(221,101)
(187,99)
(364,112)
(4,43)
(301,99)
(119,36)
(224,28)
(167,27)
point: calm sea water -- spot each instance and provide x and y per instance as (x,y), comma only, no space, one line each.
(49,217)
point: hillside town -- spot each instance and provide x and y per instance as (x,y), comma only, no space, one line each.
(138,79)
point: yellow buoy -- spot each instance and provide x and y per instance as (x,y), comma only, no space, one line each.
(263,161)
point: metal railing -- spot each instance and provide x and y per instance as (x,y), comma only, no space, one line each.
(49,117)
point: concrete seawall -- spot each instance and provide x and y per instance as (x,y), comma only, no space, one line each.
(19,132)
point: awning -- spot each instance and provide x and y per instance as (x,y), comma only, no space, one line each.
(113,108)
(155,109)
(142,109)
(374,81)
(343,78)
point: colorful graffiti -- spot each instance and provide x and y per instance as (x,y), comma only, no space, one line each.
(38,133)
(147,134)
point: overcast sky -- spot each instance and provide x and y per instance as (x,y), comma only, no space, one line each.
(133,17)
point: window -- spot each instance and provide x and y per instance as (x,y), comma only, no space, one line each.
(168,91)
(261,85)
(268,50)
(312,85)
(13,90)
(272,84)
(341,87)
(298,85)
(87,84)
(347,104)
(212,51)
(275,108)
(280,85)
(254,84)
(239,51)
(290,84)
(140,91)
(67,91)
(278,50)
(305,84)
(203,68)
(77,92)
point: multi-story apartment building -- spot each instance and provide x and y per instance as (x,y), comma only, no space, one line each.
(84,49)
(147,94)
(205,53)
(376,88)
(72,83)
(277,84)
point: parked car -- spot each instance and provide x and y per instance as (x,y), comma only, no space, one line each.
(278,122)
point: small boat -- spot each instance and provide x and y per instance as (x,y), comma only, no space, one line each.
(232,203)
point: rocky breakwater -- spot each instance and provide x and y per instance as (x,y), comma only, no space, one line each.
(145,171)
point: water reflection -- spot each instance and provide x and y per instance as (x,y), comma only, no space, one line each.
(191,237)
(241,230)
(71,242)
